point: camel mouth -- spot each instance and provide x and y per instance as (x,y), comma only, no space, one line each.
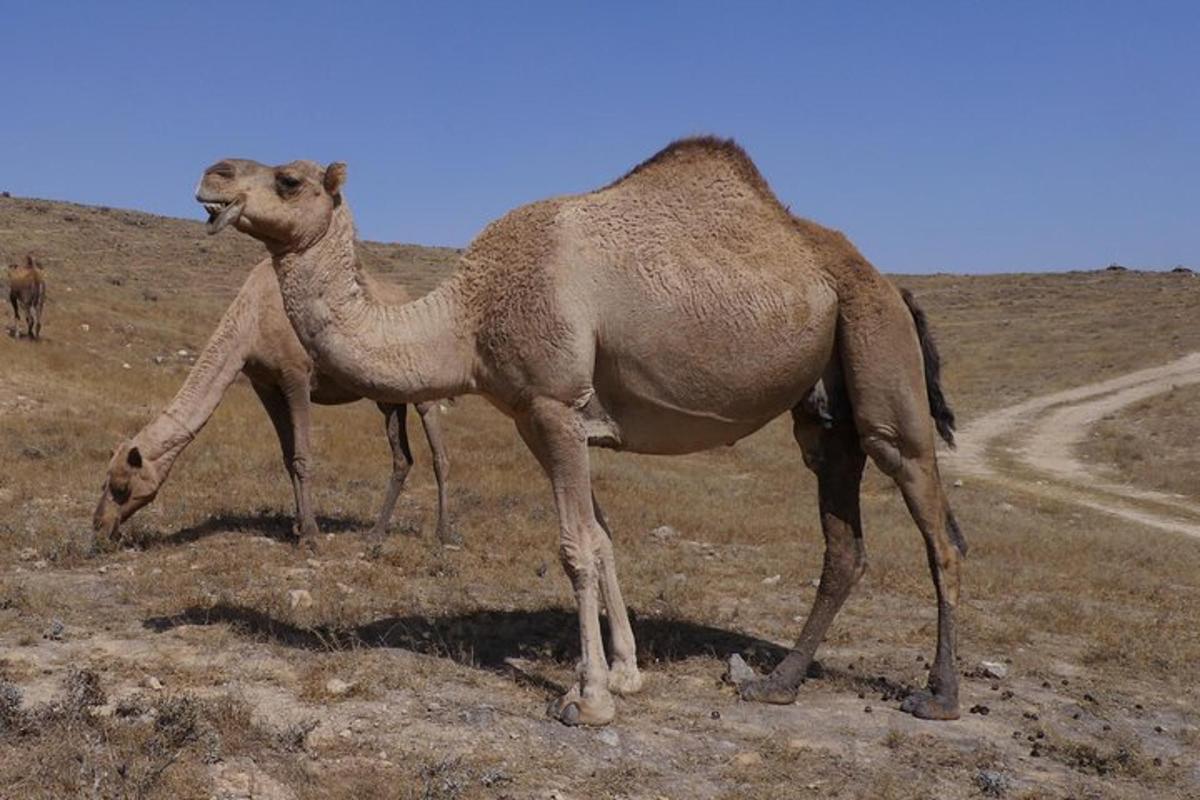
(221,213)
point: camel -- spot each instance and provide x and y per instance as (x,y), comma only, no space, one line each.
(676,309)
(254,337)
(27,292)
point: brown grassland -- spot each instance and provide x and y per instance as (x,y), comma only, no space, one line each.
(177,666)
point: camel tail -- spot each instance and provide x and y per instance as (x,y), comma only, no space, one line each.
(939,407)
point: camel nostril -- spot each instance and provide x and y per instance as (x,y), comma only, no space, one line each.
(222,169)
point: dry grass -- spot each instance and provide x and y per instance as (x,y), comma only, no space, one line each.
(1152,443)
(421,635)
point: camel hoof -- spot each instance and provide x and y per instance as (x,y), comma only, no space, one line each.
(925,705)
(449,536)
(624,679)
(575,709)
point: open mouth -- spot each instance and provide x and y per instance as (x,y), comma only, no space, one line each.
(221,213)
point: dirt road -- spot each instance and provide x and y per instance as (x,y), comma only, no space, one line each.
(1031,446)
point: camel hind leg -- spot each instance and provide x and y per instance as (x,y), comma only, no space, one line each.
(886,385)
(832,451)
(394,419)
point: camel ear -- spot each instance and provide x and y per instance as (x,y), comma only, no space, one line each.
(134,459)
(335,177)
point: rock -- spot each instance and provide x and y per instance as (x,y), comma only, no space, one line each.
(28,553)
(102,570)
(346,733)
(181,353)
(126,365)
(241,779)
(992,783)
(737,671)
(151,682)
(337,687)
(56,631)
(771,581)
(85,327)
(299,599)
(994,669)
(958,484)
(159,359)
(663,533)
(609,737)
(747,760)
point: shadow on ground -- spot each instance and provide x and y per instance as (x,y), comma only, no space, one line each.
(269,524)
(483,639)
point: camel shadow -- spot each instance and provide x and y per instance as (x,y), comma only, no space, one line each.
(268,524)
(483,639)
(498,641)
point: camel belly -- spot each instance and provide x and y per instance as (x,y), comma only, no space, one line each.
(667,397)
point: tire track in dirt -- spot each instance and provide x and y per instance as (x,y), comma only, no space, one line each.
(1031,447)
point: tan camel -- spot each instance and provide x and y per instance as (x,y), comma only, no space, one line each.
(27,292)
(254,337)
(679,308)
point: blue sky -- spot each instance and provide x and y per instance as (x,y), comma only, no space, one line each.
(957,136)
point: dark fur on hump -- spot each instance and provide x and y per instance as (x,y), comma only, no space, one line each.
(939,407)
(694,148)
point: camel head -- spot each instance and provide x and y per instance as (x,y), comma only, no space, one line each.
(287,208)
(132,482)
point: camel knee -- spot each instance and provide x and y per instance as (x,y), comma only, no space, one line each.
(300,467)
(441,465)
(579,562)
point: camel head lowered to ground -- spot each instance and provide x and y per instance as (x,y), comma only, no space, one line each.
(676,309)
(132,482)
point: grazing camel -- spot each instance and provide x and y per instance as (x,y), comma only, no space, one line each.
(255,337)
(679,308)
(27,292)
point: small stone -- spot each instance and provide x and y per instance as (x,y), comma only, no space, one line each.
(958,484)
(102,570)
(359,725)
(151,682)
(738,671)
(56,630)
(993,669)
(337,687)
(1007,507)
(992,783)
(609,737)
(85,327)
(867,710)
(771,581)
(715,715)
(126,365)
(344,589)
(28,554)
(159,359)
(181,353)
(747,760)
(299,599)
(346,733)
(663,533)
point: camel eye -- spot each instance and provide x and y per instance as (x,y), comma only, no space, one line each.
(287,184)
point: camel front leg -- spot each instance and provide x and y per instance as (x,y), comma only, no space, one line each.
(394,419)
(623,675)
(430,420)
(556,436)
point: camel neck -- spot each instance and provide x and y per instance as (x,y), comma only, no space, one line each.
(388,351)
(215,369)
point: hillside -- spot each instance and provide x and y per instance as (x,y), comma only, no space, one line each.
(181,663)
